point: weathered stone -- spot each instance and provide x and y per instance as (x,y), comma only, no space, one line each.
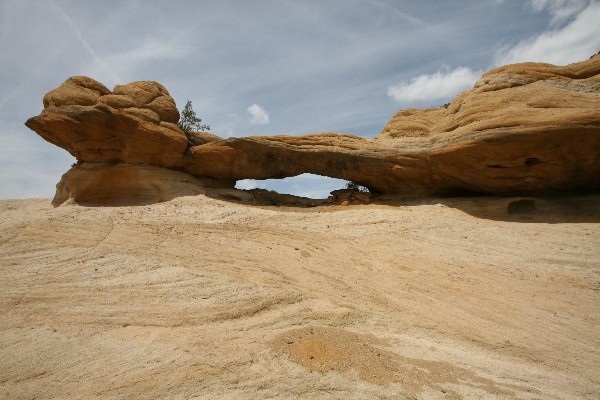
(123,184)
(136,124)
(116,101)
(523,128)
(361,197)
(412,123)
(329,154)
(78,91)
(198,138)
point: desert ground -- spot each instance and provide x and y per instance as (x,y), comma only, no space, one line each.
(199,298)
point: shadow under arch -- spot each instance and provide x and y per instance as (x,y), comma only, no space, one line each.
(569,208)
(555,209)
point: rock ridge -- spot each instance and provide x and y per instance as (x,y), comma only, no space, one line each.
(528,128)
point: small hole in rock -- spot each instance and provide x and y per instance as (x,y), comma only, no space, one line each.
(532,161)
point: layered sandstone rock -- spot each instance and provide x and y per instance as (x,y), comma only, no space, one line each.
(136,123)
(340,156)
(523,128)
(111,184)
(526,127)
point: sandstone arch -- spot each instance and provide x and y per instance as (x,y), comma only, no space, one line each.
(526,128)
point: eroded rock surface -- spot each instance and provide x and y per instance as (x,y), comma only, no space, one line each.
(136,123)
(378,167)
(523,128)
(199,298)
(123,184)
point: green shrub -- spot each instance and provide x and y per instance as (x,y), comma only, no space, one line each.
(190,123)
(355,186)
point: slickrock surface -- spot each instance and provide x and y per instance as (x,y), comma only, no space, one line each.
(185,295)
(524,128)
(204,299)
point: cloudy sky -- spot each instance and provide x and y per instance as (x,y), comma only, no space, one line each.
(269,67)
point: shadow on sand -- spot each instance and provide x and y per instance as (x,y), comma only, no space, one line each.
(575,208)
(548,210)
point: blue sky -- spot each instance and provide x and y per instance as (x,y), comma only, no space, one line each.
(268,67)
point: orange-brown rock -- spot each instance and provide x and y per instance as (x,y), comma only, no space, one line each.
(123,184)
(526,127)
(523,128)
(136,123)
(331,154)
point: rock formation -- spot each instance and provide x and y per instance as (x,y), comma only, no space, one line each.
(524,128)
(136,123)
(110,184)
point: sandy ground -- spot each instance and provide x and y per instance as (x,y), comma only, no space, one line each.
(206,299)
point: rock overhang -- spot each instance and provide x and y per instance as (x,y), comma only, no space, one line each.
(484,141)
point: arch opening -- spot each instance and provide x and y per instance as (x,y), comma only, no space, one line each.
(304,185)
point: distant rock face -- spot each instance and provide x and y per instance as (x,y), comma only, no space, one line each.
(523,128)
(136,123)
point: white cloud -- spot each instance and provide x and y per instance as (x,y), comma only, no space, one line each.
(130,64)
(441,85)
(258,115)
(152,49)
(576,41)
(559,9)
(246,184)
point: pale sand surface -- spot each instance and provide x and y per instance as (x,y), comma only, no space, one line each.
(201,298)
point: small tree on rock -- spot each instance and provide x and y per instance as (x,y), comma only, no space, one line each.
(351,185)
(189,122)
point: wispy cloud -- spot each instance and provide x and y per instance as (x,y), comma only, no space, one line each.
(441,85)
(151,49)
(258,115)
(559,9)
(133,63)
(393,9)
(97,59)
(574,42)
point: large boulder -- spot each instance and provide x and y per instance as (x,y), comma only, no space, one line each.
(136,123)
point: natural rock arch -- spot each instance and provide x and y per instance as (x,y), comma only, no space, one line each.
(523,128)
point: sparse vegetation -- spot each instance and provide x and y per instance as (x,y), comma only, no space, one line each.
(355,186)
(273,201)
(446,105)
(189,123)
